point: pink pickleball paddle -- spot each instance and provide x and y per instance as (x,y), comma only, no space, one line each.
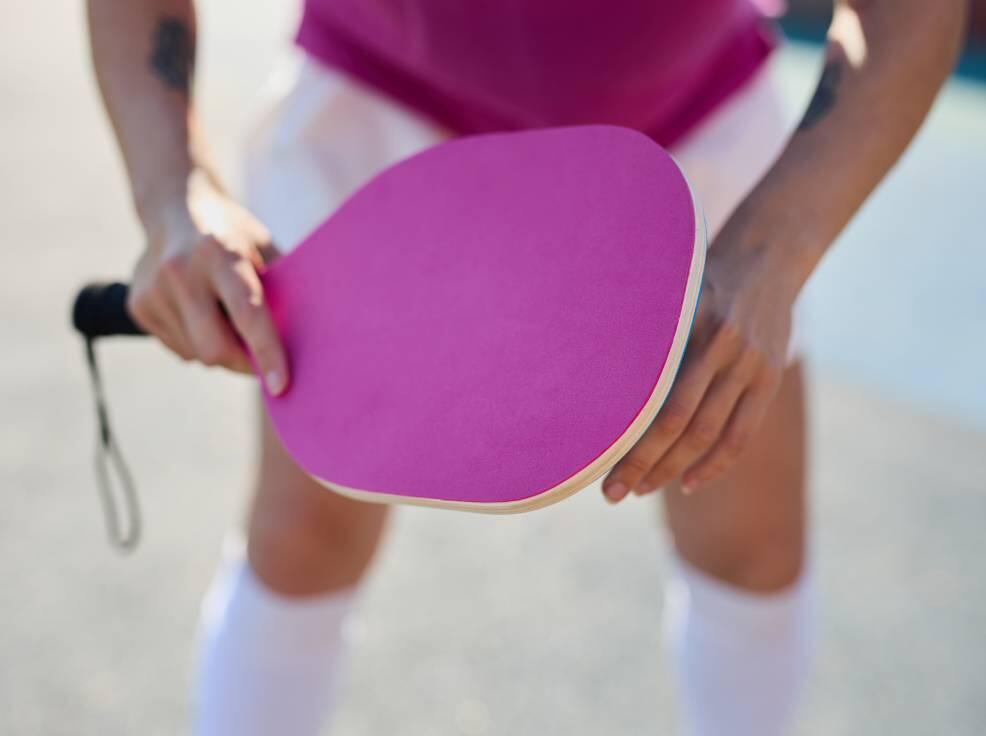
(492,323)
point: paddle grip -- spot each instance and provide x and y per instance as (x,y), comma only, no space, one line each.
(100,310)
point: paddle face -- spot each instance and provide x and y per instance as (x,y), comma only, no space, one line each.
(489,324)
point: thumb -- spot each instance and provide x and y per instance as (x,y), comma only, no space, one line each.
(268,253)
(704,323)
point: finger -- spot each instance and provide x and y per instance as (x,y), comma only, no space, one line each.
(268,253)
(210,334)
(634,465)
(173,327)
(174,341)
(704,323)
(242,294)
(716,351)
(703,431)
(154,312)
(263,251)
(171,340)
(746,418)
(211,338)
(671,421)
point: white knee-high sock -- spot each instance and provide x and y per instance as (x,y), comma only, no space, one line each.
(740,659)
(268,664)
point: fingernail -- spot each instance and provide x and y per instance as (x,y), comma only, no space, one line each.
(688,487)
(275,382)
(615,491)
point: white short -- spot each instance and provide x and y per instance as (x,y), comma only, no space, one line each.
(321,135)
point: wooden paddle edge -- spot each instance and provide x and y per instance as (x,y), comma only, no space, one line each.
(612,455)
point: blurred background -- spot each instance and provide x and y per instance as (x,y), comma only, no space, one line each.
(561,635)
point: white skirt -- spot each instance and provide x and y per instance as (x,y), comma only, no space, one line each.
(321,135)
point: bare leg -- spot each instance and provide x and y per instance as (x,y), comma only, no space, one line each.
(303,538)
(273,643)
(748,529)
(739,618)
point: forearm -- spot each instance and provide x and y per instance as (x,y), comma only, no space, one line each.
(885,62)
(143,53)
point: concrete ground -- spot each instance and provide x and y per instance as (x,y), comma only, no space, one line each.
(544,623)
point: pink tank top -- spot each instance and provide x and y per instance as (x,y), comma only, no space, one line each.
(476,66)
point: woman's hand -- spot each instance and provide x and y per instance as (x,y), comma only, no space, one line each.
(731,371)
(196,286)
(885,62)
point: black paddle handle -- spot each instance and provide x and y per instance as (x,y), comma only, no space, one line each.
(100,310)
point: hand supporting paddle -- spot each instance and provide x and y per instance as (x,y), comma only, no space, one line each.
(488,325)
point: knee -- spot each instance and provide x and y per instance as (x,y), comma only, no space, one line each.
(311,540)
(770,564)
(765,561)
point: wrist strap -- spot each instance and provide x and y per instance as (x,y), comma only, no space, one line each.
(123,530)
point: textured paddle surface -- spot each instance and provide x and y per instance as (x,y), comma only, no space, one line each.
(483,320)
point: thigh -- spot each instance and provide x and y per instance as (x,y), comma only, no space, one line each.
(749,527)
(319,137)
(727,155)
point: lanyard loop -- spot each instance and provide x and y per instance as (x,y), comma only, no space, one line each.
(123,529)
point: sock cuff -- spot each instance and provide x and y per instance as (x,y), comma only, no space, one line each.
(740,659)
(284,621)
(730,606)
(268,663)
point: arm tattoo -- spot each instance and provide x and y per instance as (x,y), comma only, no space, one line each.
(824,99)
(173,55)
